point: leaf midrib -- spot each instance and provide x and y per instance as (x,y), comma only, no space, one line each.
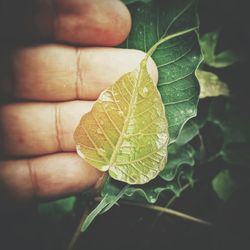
(132,104)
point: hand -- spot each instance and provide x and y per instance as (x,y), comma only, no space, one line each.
(51,85)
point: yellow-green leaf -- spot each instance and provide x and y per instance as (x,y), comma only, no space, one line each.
(126,132)
(211,85)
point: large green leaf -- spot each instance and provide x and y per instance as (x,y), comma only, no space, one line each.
(176,59)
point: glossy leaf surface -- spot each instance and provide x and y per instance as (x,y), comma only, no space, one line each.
(126,131)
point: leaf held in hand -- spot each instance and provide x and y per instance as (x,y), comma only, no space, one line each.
(126,132)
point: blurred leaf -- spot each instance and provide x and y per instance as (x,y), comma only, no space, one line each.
(178,155)
(208,43)
(236,153)
(58,207)
(210,85)
(234,124)
(224,184)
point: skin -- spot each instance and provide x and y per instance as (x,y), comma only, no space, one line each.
(51,84)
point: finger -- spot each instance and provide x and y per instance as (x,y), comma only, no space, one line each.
(30,129)
(46,177)
(83,22)
(59,73)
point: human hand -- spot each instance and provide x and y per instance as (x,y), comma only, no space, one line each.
(51,85)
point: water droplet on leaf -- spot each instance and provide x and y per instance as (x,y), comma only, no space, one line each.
(99,131)
(120,113)
(144,92)
(101,152)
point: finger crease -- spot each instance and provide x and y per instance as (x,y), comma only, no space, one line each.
(58,127)
(79,79)
(33,178)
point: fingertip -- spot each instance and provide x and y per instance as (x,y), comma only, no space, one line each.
(123,24)
(92,22)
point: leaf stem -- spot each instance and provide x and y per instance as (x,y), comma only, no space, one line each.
(167,38)
(170,212)
(78,229)
(164,210)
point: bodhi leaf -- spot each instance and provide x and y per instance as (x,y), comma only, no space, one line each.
(126,132)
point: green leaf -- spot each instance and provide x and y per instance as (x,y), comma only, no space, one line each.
(224,184)
(152,190)
(191,129)
(126,130)
(176,59)
(211,85)
(178,155)
(108,201)
(58,207)
(208,43)
(234,124)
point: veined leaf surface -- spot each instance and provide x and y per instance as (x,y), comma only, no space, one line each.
(126,132)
